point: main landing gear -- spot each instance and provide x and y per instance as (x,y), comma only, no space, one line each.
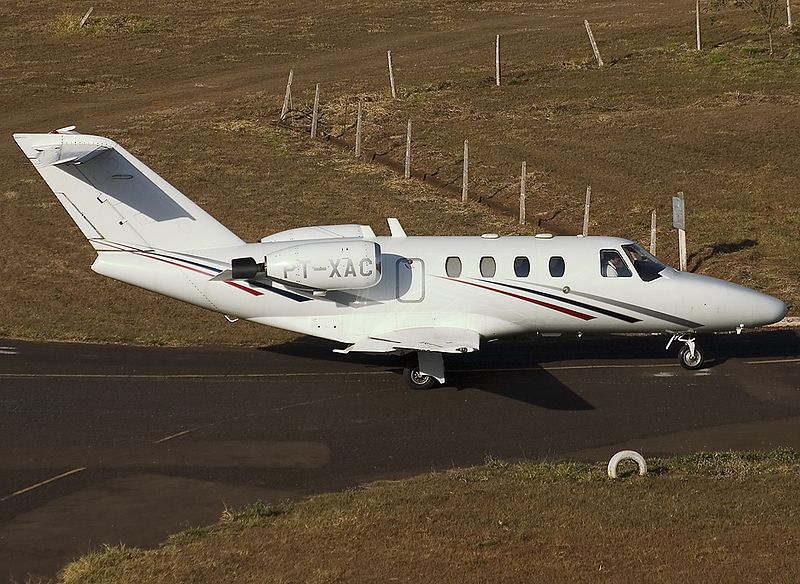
(690,355)
(425,371)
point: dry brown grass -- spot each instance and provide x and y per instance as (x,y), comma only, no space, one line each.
(721,517)
(101,25)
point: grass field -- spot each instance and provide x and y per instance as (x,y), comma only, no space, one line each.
(194,89)
(709,517)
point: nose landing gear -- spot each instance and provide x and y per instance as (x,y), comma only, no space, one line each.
(690,356)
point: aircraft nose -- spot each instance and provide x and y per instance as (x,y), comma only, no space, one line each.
(767,309)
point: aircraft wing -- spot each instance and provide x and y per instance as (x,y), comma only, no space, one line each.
(433,339)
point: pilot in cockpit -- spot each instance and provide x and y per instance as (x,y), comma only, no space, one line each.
(613,266)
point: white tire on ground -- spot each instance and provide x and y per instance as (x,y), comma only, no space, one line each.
(626,455)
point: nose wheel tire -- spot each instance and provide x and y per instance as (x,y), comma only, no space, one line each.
(689,361)
(417,380)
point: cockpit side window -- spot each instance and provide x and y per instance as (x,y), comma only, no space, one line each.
(646,265)
(612,265)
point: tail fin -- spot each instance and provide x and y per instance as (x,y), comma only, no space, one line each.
(113,196)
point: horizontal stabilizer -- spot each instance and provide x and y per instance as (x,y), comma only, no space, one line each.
(48,149)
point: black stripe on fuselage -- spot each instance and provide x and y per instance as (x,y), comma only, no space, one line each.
(604,311)
(634,308)
(279,292)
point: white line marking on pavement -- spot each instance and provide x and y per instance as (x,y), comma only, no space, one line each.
(176,435)
(769,361)
(563,368)
(37,485)
(186,375)
(278,409)
(8,351)
(248,376)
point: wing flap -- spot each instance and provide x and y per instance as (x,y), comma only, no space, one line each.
(433,339)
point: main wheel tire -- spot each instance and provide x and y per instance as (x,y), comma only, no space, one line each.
(689,362)
(417,380)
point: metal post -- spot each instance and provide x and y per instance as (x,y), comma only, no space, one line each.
(522,193)
(789,13)
(315,113)
(586,211)
(465,175)
(679,222)
(408,151)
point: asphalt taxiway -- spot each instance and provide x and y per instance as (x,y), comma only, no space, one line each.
(109,444)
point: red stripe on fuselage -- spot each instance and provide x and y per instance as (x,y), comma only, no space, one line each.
(532,301)
(245,288)
(234,284)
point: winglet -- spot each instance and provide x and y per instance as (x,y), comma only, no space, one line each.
(395,228)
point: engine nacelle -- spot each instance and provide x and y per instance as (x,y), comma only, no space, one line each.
(343,264)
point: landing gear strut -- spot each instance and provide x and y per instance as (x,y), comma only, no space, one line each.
(424,372)
(690,356)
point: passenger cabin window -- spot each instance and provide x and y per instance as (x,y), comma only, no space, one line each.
(452,267)
(612,265)
(646,264)
(522,267)
(557,266)
(488,267)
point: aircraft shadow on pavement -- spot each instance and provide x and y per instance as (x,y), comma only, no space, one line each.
(533,351)
(529,383)
(535,387)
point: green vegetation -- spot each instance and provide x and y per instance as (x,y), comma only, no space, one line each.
(711,516)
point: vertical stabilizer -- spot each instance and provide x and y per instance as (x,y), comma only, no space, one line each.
(111,195)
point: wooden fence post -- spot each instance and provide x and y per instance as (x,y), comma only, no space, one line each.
(497,61)
(697,19)
(358,129)
(86,16)
(315,113)
(653,232)
(287,98)
(522,193)
(594,44)
(465,174)
(391,74)
(586,211)
(408,151)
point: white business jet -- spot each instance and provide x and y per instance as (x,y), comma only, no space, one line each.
(397,294)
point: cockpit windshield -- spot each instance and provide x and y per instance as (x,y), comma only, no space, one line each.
(646,265)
